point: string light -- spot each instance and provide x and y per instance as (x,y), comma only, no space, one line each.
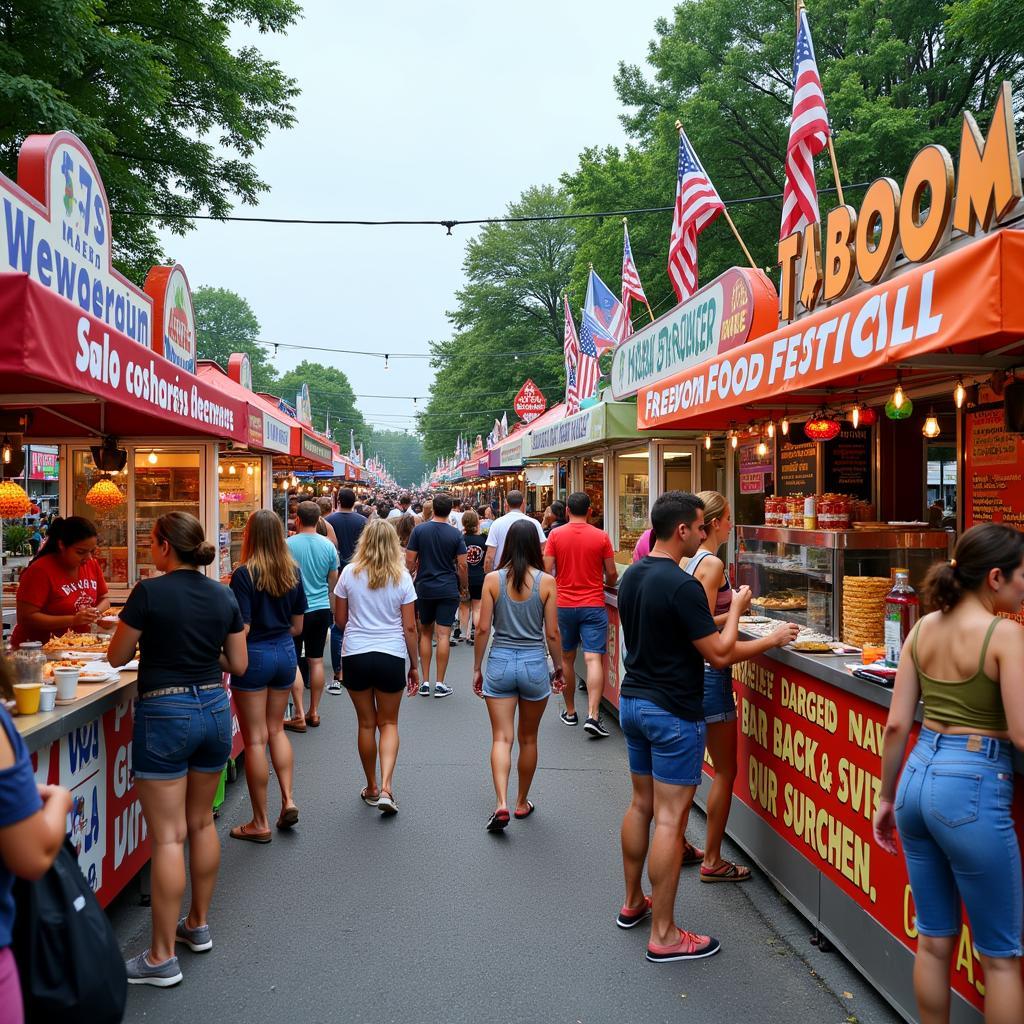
(959,393)
(771,429)
(707,442)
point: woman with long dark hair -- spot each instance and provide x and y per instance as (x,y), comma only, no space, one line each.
(189,631)
(374,607)
(268,587)
(63,586)
(965,661)
(519,602)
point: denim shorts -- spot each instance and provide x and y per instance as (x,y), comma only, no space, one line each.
(719,705)
(271,663)
(181,733)
(589,625)
(517,672)
(661,744)
(953,816)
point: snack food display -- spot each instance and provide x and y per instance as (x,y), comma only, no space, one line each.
(782,600)
(72,641)
(864,609)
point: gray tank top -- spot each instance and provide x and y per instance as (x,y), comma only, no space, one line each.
(519,624)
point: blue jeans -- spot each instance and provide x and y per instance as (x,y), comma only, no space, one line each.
(271,663)
(586,625)
(517,672)
(181,733)
(719,705)
(660,743)
(953,816)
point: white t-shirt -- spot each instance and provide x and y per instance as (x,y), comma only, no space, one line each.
(396,513)
(500,527)
(455,519)
(374,616)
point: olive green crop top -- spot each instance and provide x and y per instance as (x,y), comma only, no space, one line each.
(976,702)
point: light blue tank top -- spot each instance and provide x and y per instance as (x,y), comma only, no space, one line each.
(519,624)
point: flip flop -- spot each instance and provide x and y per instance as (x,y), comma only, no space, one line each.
(370,801)
(529,810)
(289,818)
(498,821)
(725,872)
(692,855)
(243,832)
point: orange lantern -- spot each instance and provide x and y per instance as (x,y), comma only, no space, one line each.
(104,495)
(14,502)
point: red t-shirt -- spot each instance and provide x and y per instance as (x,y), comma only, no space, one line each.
(579,551)
(47,585)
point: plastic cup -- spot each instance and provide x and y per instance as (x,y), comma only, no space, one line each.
(26,696)
(67,682)
(47,698)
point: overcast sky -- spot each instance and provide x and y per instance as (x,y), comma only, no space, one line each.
(434,110)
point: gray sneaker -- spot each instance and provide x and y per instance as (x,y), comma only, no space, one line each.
(441,690)
(424,689)
(141,972)
(197,939)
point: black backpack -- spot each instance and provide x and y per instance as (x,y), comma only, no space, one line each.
(69,961)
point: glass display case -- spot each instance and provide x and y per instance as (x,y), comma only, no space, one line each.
(165,481)
(798,575)
(240,493)
(632,495)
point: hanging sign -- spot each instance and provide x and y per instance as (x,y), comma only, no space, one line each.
(530,402)
(240,369)
(55,227)
(172,309)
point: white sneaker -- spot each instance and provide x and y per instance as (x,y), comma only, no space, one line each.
(424,689)
(440,690)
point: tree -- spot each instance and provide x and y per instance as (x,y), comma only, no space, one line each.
(170,110)
(507,325)
(402,453)
(225,324)
(330,395)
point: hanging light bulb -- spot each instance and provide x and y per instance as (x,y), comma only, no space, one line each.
(771,429)
(931,426)
(707,442)
(8,450)
(151,458)
(248,470)
(898,398)
(232,469)
(220,470)
(855,415)
(784,426)
(959,393)
(762,448)
(734,439)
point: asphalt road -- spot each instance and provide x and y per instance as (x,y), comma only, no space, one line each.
(426,917)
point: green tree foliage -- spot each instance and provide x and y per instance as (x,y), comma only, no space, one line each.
(507,324)
(170,110)
(330,394)
(402,453)
(225,324)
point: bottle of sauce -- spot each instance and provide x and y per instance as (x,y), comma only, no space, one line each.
(901,611)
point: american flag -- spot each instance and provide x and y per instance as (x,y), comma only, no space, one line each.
(809,132)
(588,370)
(605,314)
(572,358)
(697,205)
(631,286)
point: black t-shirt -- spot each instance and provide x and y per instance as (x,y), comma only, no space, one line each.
(476,549)
(268,617)
(184,618)
(347,527)
(438,546)
(662,610)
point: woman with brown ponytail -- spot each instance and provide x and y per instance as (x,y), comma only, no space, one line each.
(965,661)
(189,631)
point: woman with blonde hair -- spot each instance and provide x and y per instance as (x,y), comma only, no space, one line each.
(374,607)
(268,587)
(719,705)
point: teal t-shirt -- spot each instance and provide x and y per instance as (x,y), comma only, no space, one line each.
(317,557)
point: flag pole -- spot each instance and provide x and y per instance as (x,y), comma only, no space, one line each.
(725,213)
(831,149)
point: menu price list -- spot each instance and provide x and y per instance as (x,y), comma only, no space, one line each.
(994,481)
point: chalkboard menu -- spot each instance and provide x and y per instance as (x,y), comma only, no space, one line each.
(798,463)
(846,463)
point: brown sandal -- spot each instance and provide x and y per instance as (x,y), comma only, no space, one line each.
(295,724)
(250,835)
(313,721)
(692,854)
(725,872)
(289,818)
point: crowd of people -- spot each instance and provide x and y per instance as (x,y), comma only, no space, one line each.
(396,585)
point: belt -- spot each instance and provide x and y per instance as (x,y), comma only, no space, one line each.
(170,691)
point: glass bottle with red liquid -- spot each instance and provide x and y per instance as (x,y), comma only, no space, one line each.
(901,611)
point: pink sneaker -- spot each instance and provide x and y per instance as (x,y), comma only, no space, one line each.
(689,947)
(630,917)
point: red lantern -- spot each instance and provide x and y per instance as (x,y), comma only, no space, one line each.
(822,427)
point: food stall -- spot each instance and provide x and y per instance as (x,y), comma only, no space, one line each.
(899,345)
(104,372)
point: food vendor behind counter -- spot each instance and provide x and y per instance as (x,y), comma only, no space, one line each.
(63,586)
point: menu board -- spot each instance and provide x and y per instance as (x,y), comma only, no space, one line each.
(755,470)
(846,462)
(798,464)
(994,477)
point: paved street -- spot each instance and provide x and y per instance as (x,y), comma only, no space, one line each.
(426,917)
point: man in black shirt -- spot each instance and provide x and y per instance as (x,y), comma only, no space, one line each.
(347,525)
(668,633)
(436,556)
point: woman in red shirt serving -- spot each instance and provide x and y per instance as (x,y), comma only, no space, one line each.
(63,587)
